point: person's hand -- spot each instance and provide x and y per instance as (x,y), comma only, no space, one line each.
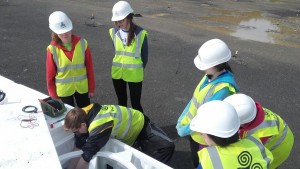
(91,94)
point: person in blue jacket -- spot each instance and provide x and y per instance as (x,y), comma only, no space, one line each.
(217,83)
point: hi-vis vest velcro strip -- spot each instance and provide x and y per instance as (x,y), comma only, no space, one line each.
(205,99)
(78,66)
(137,47)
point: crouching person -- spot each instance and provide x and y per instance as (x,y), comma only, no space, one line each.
(218,122)
(95,124)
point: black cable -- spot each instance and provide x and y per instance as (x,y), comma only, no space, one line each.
(2,95)
(33,109)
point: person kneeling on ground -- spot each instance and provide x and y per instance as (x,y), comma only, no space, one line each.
(95,124)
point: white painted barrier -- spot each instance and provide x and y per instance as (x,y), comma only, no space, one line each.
(24,144)
(52,147)
(113,151)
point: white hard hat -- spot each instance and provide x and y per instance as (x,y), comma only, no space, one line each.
(216,118)
(212,53)
(60,23)
(121,10)
(244,106)
(3,97)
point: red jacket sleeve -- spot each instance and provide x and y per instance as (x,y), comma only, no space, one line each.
(90,69)
(50,75)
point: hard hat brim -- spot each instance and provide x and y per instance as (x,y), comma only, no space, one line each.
(216,118)
(198,64)
(61,31)
(115,19)
(202,66)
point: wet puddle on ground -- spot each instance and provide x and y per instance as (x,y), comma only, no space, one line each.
(256,29)
(252,25)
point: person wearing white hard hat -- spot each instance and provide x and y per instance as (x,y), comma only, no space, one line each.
(217,121)
(217,83)
(274,133)
(69,64)
(131,55)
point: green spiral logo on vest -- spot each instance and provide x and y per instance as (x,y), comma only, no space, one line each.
(245,160)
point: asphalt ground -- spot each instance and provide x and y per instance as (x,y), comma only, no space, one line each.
(267,71)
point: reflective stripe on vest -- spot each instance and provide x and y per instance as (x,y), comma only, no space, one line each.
(198,100)
(135,54)
(129,113)
(71,75)
(216,159)
(78,66)
(272,126)
(125,53)
(283,136)
(262,150)
(204,100)
(127,123)
(69,67)
(71,79)
(264,125)
(117,115)
(127,63)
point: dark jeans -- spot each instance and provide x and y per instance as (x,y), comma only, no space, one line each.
(135,90)
(154,142)
(81,100)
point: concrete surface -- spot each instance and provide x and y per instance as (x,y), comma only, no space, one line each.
(266,66)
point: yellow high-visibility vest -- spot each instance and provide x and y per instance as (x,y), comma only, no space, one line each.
(128,122)
(246,153)
(200,97)
(71,76)
(127,63)
(281,139)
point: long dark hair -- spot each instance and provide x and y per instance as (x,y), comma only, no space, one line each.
(223,142)
(225,66)
(131,30)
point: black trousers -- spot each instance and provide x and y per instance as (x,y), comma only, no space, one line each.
(154,142)
(194,147)
(135,90)
(81,100)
